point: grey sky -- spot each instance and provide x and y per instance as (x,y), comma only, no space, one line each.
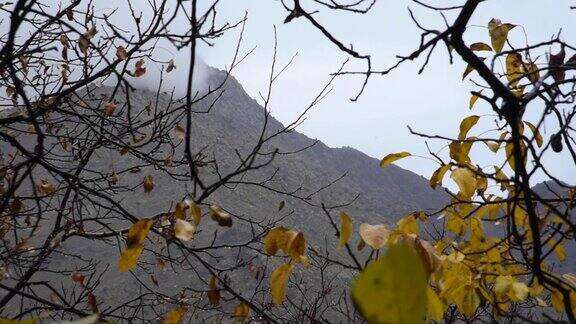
(433,102)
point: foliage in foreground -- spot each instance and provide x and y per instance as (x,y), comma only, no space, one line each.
(494,252)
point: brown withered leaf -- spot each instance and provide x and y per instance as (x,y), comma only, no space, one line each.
(114,178)
(168,160)
(154,280)
(148,183)
(16,205)
(140,69)
(10,91)
(121,53)
(480,47)
(571,62)
(180,132)
(70,14)
(109,108)
(83,44)
(213,292)
(171,66)
(92,303)
(556,62)
(64,41)
(92,32)
(78,277)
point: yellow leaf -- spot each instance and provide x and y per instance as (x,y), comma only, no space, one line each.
(532,71)
(474,98)
(493,255)
(213,292)
(468,70)
(466,146)
(179,212)
(510,154)
(514,68)
(480,47)
(46,187)
(289,241)
(540,302)
(129,258)
(345,229)
(92,319)
(466,181)
(435,307)
(481,183)
(374,236)
(493,146)
(388,159)
(518,292)
(469,301)
(438,175)
(134,244)
(271,240)
(392,289)
(408,225)
(498,34)
(4,320)
(429,255)
(220,216)
(175,315)
(459,288)
(196,213)
(559,250)
(184,230)
(138,231)
(296,247)
(241,312)
(571,278)
(458,153)
(455,224)
(466,124)
(557,301)
(476,232)
(537,136)
(278,282)
(502,286)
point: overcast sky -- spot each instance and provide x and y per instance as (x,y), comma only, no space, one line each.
(433,102)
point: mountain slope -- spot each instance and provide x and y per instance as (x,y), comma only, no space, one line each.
(333,176)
